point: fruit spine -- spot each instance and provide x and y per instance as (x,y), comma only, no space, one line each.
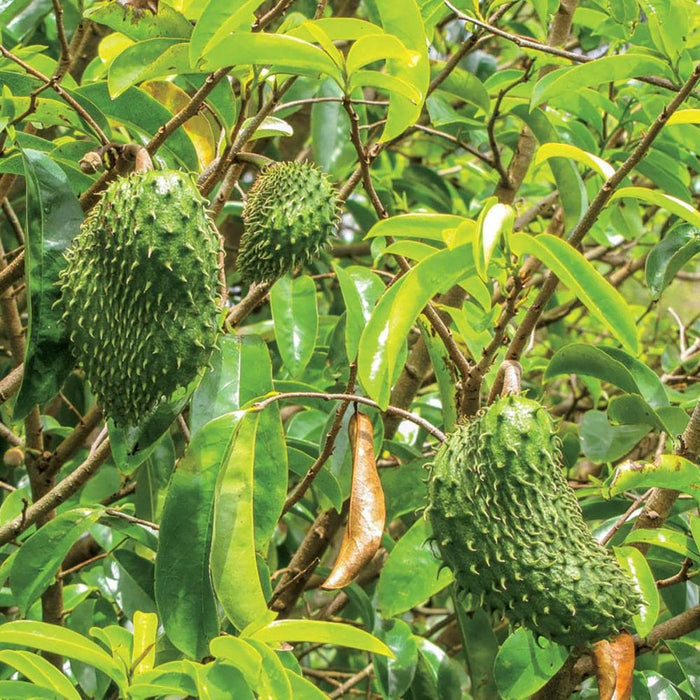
(140,291)
(290,215)
(509,526)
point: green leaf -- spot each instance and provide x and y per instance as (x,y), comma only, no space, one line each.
(464,85)
(585,282)
(360,288)
(40,635)
(376,47)
(241,654)
(319,632)
(569,183)
(220,16)
(666,539)
(40,557)
(135,64)
(395,674)
(524,664)
(602,442)
(676,206)
(283,54)
(274,683)
(603,70)
(139,25)
(566,150)
(404,21)
(172,678)
(183,588)
(136,583)
(234,570)
(295,317)
(398,88)
(397,311)
(303,689)
(145,635)
(687,658)
(39,671)
(669,471)
(667,257)
(633,409)
(684,116)
(410,574)
(445,375)
(53,220)
(23,689)
(480,648)
(634,563)
(429,227)
(495,223)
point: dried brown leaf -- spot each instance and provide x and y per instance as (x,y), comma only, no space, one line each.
(614,663)
(367,514)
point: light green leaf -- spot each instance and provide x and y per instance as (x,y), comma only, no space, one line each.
(430,227)
(41,635)
(676,206)
(241,654)
(566,150)
(319,632)
(410,574)
(634,563)
(270,126)
(143,654)
(376,47)
(524,664)
(684,116)
(284,54)
(397,311)
(234,570)
(634,410)
(137,24)
(667,539)
(22,689)
(39,671)
(388,83)
(274,683)
(603,70)
(295,317)
(586,283)
(495,222)
(303,689)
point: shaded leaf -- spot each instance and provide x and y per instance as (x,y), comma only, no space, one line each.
(668,256)
(395,674)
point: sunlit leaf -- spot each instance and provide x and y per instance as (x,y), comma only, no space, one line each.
(635,564)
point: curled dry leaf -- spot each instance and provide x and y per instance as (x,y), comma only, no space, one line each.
(367,514)
(614,663)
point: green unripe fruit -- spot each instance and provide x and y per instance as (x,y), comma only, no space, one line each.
(140,292)
(290,215)
(509,526)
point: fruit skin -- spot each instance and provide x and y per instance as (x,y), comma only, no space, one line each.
(290,216)
(509,526)
(140,292)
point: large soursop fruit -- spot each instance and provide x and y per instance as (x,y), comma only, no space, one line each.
(511,529)
(290,215)
(140,292)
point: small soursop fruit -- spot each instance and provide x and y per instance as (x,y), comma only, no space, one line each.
(509,526)
(290,215)
(140,292)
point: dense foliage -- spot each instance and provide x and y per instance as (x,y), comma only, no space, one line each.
(516,185)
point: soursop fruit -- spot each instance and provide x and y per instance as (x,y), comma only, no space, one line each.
(140,292)
(509,526)
(290,215)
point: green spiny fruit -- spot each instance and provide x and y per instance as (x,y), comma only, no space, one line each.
(290,215)
(509,526)
(140,291)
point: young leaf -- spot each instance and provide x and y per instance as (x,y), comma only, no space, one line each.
(579,275)
(295,316)
(53,220)
(411,573)
(566,150)
(495,222)
(665,201)
(144,650)
(39,671)
(397,311)
(429,227)
(234,569)
(319,632)
(367,513)
(614,665)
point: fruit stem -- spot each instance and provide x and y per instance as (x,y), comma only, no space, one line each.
(507,380)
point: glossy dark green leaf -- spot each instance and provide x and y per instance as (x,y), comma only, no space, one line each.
(635,564)
(136,582)
(153,478)
(649,685)
(39,558)
(139,25)
(688,659)
(53,220)
(648,382)
(410,574)
(480,649)
(404,488)
(633,409)
(442,669)
(395,675)
(183,587)
(397,311)
(140,113)
(295,317)
(234,570)
(667,257)
(524,664)
(603,442)
(585,282)
(330,126)
(444,374)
